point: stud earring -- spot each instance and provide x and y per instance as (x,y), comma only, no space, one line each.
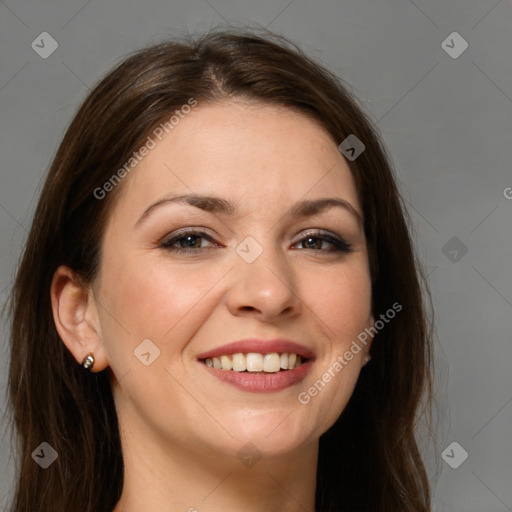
(88,362)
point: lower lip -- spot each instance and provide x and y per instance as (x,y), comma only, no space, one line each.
(261,382)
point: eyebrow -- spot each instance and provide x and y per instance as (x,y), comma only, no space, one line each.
(304,208)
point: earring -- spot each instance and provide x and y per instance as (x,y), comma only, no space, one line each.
(88,362)
(367,358)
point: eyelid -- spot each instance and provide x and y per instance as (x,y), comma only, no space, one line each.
(337,241)
(202,231)
(334,239)
(317,232)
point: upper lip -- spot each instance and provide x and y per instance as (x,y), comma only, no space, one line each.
(260,346)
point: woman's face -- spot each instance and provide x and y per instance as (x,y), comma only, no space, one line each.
(260,269)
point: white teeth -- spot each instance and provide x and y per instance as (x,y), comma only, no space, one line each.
(271,363)
(227,364)
(256,362)
(239,363)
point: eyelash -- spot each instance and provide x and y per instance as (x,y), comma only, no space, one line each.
(339,244)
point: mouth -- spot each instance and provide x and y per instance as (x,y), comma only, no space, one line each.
(257,365)
(255,372)
(255,362)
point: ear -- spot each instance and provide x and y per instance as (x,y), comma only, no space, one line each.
(76,317)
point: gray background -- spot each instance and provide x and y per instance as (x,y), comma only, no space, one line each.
(446,121)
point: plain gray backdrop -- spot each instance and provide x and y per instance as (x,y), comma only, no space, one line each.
(444,112)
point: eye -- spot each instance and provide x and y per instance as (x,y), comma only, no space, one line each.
(314,241)
(188,241)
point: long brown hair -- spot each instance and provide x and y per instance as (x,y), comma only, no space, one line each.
(369,459)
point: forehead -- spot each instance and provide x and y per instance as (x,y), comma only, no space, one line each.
(264,154)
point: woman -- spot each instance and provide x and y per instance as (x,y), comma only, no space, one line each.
(219,306)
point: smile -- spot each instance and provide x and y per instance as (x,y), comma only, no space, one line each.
(255,362)
(258,373)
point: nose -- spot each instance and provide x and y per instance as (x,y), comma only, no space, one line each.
(264,288)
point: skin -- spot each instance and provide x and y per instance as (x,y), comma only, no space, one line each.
(182,428)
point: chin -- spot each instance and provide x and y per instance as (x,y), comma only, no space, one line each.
(272,432)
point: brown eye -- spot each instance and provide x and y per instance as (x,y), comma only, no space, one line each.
(187,241)
(314,241)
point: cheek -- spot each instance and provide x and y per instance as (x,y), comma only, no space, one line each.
(341,298)
(158,301)
(342,301)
